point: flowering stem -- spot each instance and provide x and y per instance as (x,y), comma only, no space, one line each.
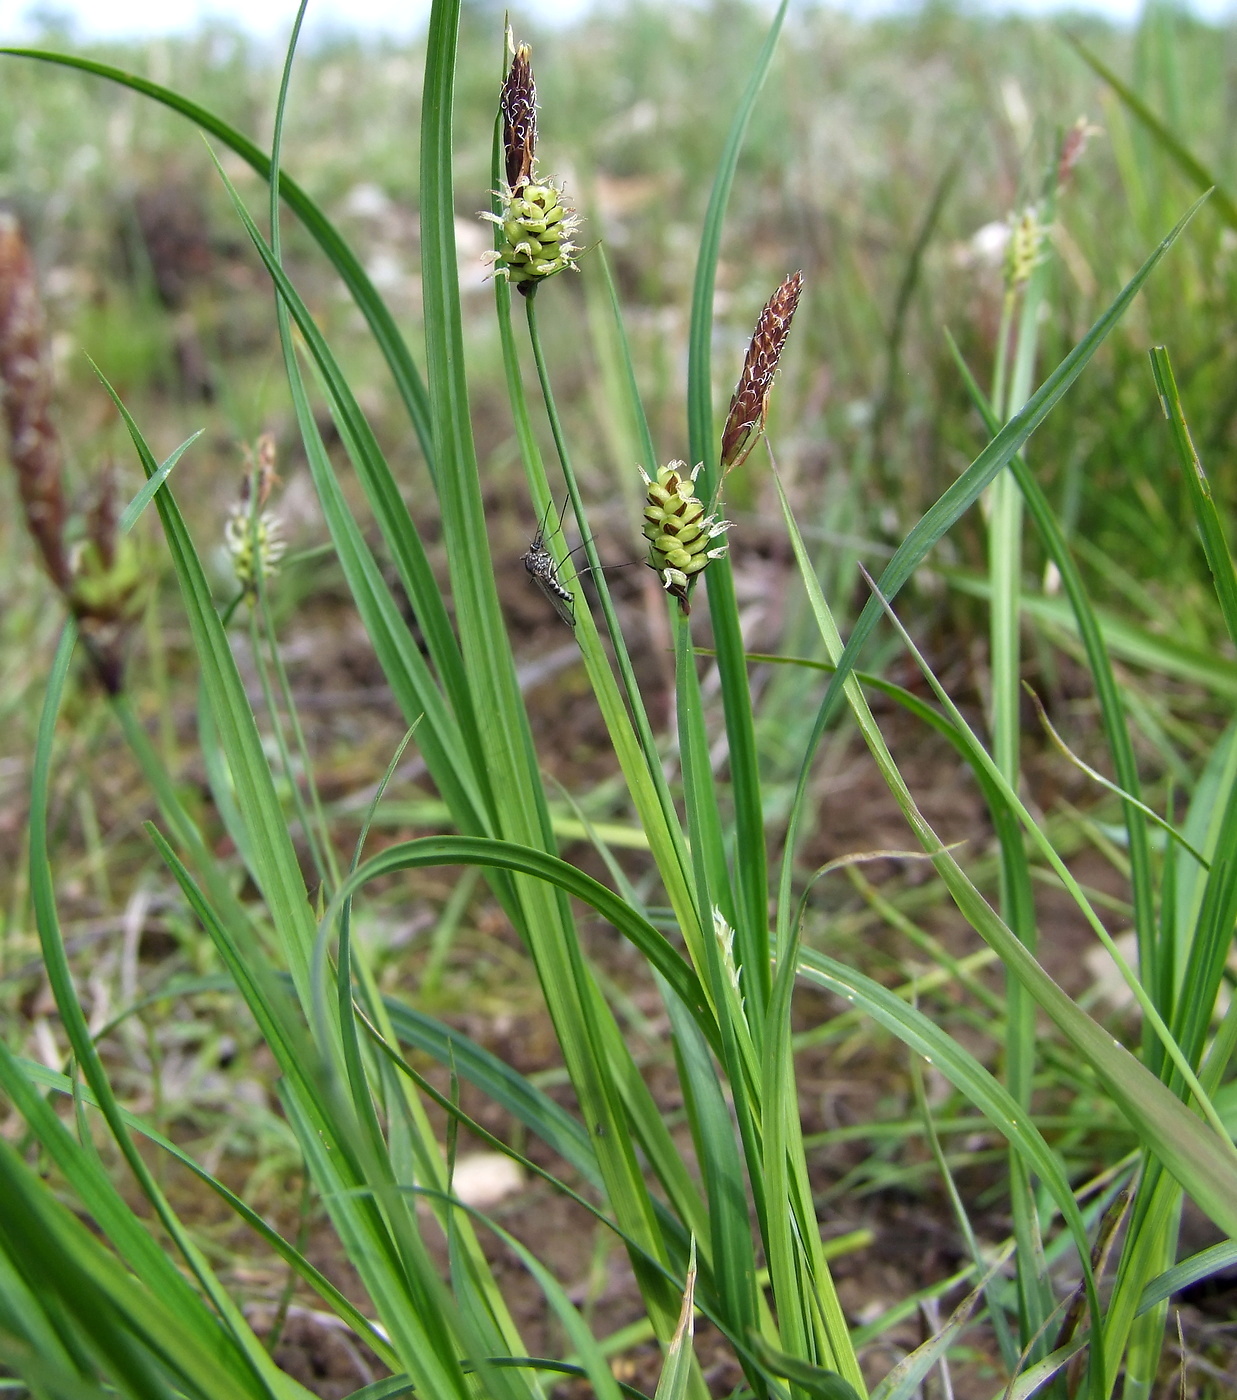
(298,735)
(627,674)
(623,710)
(263,669)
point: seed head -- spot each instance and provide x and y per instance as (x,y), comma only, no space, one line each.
(256,545)
(678,530)
(254,536)
(537,224)
(26,394)
(536,235)
(1025,249)
(750,405)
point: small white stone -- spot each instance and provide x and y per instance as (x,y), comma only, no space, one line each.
(483,1179)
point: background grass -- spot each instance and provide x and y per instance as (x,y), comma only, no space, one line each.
(875,156)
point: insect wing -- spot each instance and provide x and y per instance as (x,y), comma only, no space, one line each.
(562,600)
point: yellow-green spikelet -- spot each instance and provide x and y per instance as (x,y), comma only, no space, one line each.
(256,545)
(536,234)
(678,530)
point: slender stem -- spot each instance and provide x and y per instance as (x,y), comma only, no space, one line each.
(627,675)
(588,543)
(281,743)
(1000,371)
(1010,388)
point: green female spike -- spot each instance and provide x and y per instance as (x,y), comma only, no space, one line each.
(678,530)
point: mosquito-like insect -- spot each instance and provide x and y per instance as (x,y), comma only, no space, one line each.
(543,570)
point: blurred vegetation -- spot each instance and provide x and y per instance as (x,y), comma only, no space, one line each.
(882,158)
(879,152)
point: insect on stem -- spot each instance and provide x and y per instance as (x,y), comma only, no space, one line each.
(543,569)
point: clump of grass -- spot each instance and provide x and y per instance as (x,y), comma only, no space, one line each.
(731,1229)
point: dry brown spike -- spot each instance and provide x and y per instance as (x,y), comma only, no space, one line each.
(750,405)
(26,394)
(1073,147)
(518,104)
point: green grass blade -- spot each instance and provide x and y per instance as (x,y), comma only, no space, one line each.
(266,996)
(699,372)
(1168,1044)
(751,870)
(816,1382)
(624,713)
(1198,1158)
(704,825)
(955,501)
(441,738)
(922,1035)
(74,1021)
(276,868)
(465,850)
(731,1255)
(377,1255)
(581,1339)
(85,1176)
(138,504)
(380,488)
(1112,714)
(677,1370)
(138,1336)
(811,1324)
(1197,1268)
(501,1084)
(412,1302)
(532,1108)
(506,749)
(1211,940)
(1126,640)
(1210,527)
(48,1079)
(1186,161)
(905,1379)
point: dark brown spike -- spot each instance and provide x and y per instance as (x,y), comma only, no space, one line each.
(518,105)
(26,394)
(1072,149)
(750,405)
(264,454)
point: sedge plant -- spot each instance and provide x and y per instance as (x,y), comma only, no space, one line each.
(97,1297)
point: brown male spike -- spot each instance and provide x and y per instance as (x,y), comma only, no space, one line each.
(26,396)
(100,579)
(518,104)
(750,405)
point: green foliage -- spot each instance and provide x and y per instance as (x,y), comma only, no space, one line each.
(729,1229)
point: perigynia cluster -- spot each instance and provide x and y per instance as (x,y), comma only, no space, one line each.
(678,530)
